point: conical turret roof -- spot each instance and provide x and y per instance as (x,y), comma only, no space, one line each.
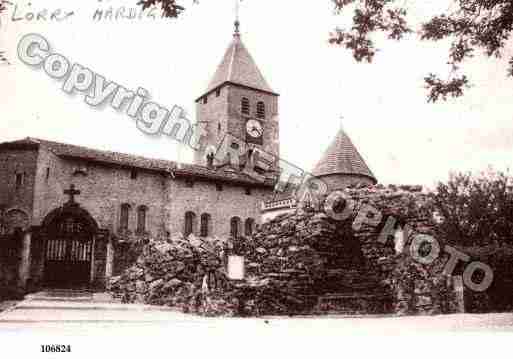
(342,157)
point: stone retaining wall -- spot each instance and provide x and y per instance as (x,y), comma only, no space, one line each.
(301,263)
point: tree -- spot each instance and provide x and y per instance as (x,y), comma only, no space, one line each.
(472,25)
(170,8)
(475,210)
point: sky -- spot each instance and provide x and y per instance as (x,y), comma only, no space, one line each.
(382,106)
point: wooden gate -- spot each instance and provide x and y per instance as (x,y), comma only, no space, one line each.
(68,262)
(68,253)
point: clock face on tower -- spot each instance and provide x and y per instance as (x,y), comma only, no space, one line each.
(254,131)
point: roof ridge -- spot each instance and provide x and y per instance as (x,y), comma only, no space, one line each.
(50,142)
(232,59)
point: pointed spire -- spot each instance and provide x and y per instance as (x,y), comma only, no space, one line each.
(343,158)
(238,66)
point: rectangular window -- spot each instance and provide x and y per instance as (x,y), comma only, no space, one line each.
(125,213)
(47,173)
(218,92)
(133,174)
(245,106)
(205,100)
(261,110)
(141,219)
(205,223)
(19,180)
(219,187)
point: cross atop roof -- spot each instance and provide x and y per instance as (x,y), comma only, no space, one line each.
(237,20)
(71,192)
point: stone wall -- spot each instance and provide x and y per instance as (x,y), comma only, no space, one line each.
(344,265)
(12,162)
(318,262)
(212,115)
(225,111)
(336,182)
(169,272)
(10,251)
(50,183)
(237,125)
(417,288)
(308,263)
(103,190)
(203,197)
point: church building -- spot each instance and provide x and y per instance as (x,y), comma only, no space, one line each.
(69,213)
(67,206)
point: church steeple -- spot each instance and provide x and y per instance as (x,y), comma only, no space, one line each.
(238,101)
(238,67)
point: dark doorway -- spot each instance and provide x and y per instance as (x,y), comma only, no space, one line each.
(69,248)
(68,262)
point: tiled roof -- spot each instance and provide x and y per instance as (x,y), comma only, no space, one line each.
(107,157)
(127,160)
(238,67)
(226,173)
(342,157)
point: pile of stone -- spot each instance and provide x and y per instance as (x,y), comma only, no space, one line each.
(292,254)
(422,289)
(305,262)
(417,288)
(297,248)
(402,205)
(170,272)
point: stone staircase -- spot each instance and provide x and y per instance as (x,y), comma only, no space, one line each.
(78,305)
(65,295)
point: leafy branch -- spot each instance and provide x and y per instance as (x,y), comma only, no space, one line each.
(170,8)
(475,24)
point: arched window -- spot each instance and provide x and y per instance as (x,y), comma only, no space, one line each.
(190,223)
(19,180)
(205,224)
(234,227)
(261,110)
(125,215)
(245,106)
(141,219)
(248,227)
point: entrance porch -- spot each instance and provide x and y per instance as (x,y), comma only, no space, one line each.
(68,250)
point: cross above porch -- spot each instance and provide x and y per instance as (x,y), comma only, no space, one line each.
(72,192)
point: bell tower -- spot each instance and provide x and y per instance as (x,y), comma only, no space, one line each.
(238,102)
